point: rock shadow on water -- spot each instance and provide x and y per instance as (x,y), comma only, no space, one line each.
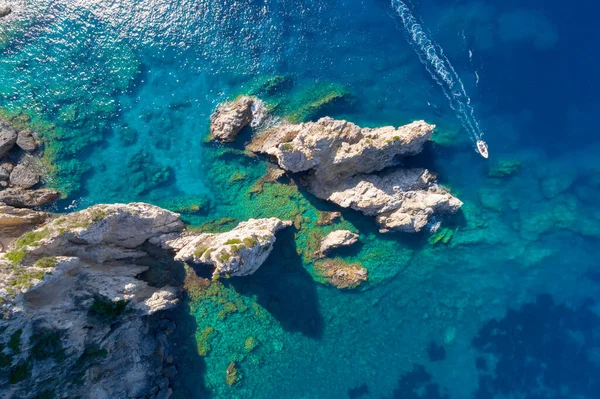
(417,384)
(285,289)
(540,351)
(189,381)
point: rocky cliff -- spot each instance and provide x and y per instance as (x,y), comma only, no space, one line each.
(82,313)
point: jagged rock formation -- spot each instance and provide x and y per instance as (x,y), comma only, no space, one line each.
(71,294)
(335,149)
(337,239)
(238,252)
(16,221)
(230,118)
(82,315)
(21,198)
(340,159)
(400,199)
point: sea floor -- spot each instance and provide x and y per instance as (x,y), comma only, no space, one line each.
(500,305)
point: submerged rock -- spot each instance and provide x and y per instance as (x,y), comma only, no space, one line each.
(21,198)
(8,137)
(238,252)
(336,149)
(341,274)
(402,199)
(338,239)
(230,118)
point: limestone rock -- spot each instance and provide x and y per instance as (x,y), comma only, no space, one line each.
(88,310)
(402,199)
(341,274)
(20,198)
(230,118)
(338,239)
(104,233)
(238,252)
(26,174)
(78,279)
(8,137)
(15,221)
(4,173)
(336,149)
(27,140)
(4,11)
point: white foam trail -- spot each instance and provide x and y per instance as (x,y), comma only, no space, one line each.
(441,70)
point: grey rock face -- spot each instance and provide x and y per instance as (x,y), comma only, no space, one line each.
(230,118)
(75,280)
(402,199)
(8,137)
(26,174)
(27,140)
(336,149)
(4,11)
(21,198)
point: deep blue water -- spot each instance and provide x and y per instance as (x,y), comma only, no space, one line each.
(505,310)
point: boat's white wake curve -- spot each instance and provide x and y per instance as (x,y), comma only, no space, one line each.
(441,70)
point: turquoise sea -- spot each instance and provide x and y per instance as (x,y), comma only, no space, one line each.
(502,306)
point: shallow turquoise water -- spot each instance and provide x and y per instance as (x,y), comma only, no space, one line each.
(132,85)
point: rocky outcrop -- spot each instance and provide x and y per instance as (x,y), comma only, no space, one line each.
(341,274)
(4,11)
(230,118)
(83,296)
(238,252)
(21,198)
(337,239)
(26,173)
(71,293)
(27,140)
(335,149)
(8,137)
(400,199)
(341,162)
(16,221)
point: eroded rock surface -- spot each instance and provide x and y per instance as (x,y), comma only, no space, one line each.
(400,199)
(337,239)
(27,140)
(8,137)
(336,149)
(238,252)
(72,293)
(230,118)
(26,173)
(16,221)
(342,162)
(21,198)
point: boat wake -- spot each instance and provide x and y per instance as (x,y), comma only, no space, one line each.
(441,70)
